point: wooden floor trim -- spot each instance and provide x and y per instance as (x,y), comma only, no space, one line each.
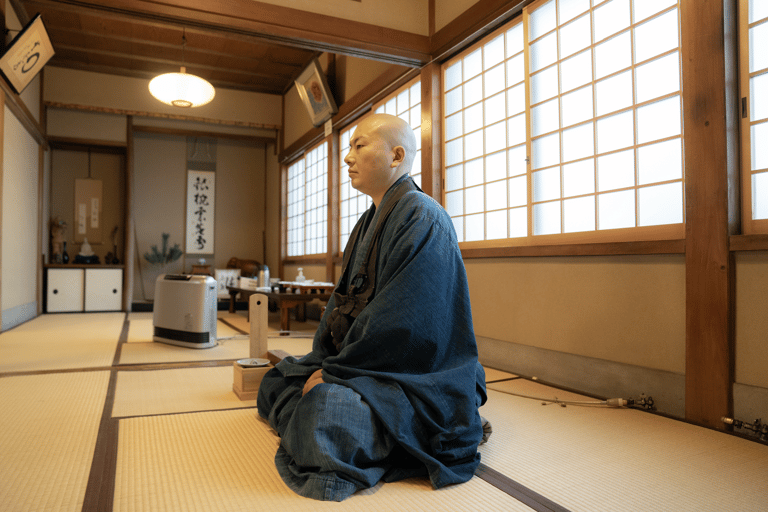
(518,491)
(99,493)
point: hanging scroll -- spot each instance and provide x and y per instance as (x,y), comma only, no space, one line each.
(88,205)
(201,192)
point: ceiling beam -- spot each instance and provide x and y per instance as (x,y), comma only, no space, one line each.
(269,23)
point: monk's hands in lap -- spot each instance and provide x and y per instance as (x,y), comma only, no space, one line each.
(313,380)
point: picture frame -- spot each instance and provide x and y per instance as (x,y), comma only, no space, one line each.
(225,277)
(315,93)
(26,55)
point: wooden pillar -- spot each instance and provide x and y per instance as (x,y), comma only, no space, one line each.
(431,131)
(711,165)
(129,240)
(334,213)
(2,146)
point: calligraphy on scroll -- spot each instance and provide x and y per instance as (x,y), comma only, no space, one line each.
(201,193)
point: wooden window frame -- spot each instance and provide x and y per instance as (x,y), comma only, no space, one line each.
(306,258)
(750,226)
(666,238)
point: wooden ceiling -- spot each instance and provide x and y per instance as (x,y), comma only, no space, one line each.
(237,44)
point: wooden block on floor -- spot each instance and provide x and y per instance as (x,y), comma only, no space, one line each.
(247,380)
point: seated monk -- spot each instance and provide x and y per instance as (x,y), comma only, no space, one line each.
(392,386)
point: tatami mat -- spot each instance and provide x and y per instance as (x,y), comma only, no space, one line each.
(142,393)
(595,458)
(153,352)
(492,374)
(48,429)
(224,461)
(141,328)
(61,341)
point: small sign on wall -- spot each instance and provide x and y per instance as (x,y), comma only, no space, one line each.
(88,203)
(201,192)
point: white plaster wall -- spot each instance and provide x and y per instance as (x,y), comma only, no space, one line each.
(297,121)
(627,309)
(240,197)
(752,318)
(19,221)
(86,125)
(31,97)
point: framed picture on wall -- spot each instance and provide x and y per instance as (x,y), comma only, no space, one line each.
(315,94)
(29,51)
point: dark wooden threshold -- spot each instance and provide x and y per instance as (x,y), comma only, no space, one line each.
(749,243)
(603,249)
(518,491)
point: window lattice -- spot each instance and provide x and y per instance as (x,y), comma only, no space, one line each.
(757,132)
(308,203)
(567,121)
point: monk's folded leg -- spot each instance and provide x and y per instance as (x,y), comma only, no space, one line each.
(333,445)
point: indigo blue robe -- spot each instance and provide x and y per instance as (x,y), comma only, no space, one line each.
(401,397)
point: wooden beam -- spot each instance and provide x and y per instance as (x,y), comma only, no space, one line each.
(20,12)
(95,145)
(709,108)
(474,23)
(254,139)
(431,131)
(16,105)
(269,23)
(158,115)
(129,240)
(604,249)
(749,243)
(2,147)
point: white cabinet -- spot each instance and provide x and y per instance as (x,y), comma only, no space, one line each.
(64,290)
(84,289)
(103,289)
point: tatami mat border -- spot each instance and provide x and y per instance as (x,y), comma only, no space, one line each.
(518,491)
(101,481)
(233,326)
(123,339)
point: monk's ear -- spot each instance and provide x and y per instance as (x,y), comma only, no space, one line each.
(398,153)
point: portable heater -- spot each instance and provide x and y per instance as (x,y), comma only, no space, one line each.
(185,310)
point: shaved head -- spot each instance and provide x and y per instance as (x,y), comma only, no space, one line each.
(395,132)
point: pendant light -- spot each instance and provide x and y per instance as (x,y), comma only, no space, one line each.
(182,89)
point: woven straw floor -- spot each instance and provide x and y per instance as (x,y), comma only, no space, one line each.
(62,341)
(48,430)
(593,458)
(225,461)
(82,431)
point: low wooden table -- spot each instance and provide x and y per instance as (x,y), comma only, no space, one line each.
(285,301)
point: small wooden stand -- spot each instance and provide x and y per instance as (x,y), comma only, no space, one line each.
(247,380)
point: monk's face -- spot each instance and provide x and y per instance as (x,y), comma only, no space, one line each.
(370,160)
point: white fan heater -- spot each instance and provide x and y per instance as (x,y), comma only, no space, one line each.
(185,310)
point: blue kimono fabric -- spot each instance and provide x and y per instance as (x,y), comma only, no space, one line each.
(400,398)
